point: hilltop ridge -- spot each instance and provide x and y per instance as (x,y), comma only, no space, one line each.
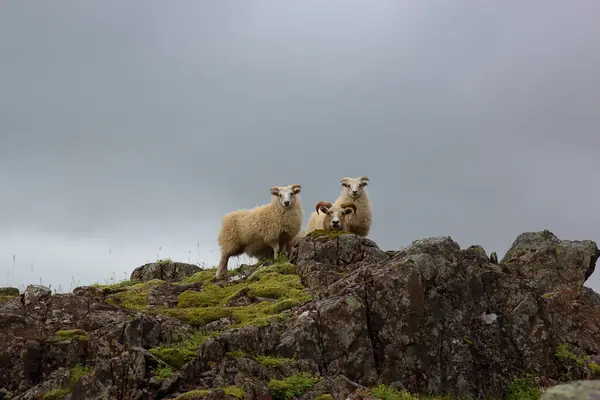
(340,319)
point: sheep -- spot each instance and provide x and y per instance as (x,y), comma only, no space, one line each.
(261,229)
(354,192)
(331,218)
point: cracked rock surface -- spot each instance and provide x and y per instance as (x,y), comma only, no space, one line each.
(432,318)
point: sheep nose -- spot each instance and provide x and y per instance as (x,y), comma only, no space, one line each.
(336,223)
(287,202)
(354,192)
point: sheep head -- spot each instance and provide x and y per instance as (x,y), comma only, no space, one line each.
(335,216)
(286,195)
(353,187)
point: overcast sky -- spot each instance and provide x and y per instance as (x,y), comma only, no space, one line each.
(132,126)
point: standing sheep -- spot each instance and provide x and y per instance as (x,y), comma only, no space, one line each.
(331,217)
(354,192)
(269,225)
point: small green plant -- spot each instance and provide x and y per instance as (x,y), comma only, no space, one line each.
(76,334)
(272,361)
(324,397)
(193,394)
(594,367)
(178,354)
(78,372)
(56,394)
(234,391)
(236,354)
(292,386)
(386,393)
(163,372)
(563,353)
(524,388)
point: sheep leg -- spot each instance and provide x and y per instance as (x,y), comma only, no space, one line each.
(275,250)
(222,269)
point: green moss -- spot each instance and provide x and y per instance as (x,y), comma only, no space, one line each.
(564,354)
(4,298)
(7,293)
(594,367)
(234,391)
(292,386)
(205,275)
(164,261)
(56,394)
(524,388)
(134,297)
(78,372)
(236,354)
(277,282)
(328,234)
(387,393)
(468,341)
(118,286)
(76,334)
(547,295)
(163,372)
(284,268)
(272,361)
(324,397)
(193,394)
(180,353)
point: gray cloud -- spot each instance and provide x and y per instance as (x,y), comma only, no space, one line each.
(127,128)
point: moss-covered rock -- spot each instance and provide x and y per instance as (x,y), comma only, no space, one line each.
(327,234)
(7,293)
(75,334)
(56,394)
(178,354)
(525,388)
(272,361)
(234,391)
(292,386)
(193,395)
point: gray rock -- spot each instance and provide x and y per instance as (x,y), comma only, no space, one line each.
(164,270)
(578,390)
(36,293)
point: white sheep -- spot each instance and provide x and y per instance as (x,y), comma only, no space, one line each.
(354,192)
(331,218)
(266,226)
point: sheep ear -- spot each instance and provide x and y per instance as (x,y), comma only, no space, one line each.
(274,191)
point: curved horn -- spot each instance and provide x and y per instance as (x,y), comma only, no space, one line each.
(364,178)
(349,205)
(322,204)
(274,189)
(296,188)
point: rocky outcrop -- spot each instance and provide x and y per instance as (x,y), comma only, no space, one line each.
(164,270)
(347,320)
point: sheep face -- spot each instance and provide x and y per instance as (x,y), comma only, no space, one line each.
(353,187)
(286,195)
(335,217)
